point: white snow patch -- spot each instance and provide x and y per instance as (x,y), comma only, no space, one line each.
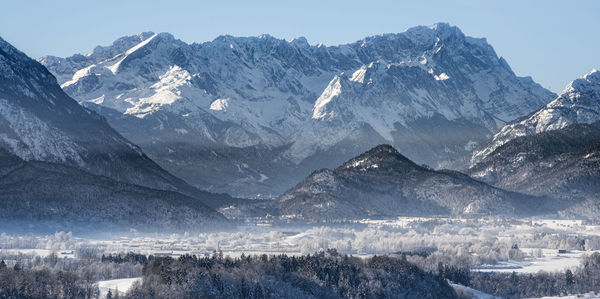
(551,261)
(98,101)
(471,145)
(333,90)
(263,178)
(78,75)
(181,131)
(220,105)
(441,77)
(115,67)
(359,75)
(121,285)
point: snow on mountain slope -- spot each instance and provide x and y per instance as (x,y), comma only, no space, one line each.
(578,103)
(557,163)
(39,121)
(32,139)
(260,105)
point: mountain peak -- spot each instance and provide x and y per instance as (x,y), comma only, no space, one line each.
(441,26)
(121,44)
(446,29)
(430,33)
(165,36)
(582,91)
(300,41)
(382,150)
(382,182)
(383,155)
(594,74)
(589,81)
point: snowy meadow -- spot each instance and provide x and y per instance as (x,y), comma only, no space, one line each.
(480,242)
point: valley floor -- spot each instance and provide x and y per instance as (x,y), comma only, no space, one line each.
(489,245)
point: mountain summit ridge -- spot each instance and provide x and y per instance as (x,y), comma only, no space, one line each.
(383,155)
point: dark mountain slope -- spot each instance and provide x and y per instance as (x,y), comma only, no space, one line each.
(382,182)
(515,164)
(49,196)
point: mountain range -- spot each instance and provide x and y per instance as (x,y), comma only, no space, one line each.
(251,116)
(544,163)
(255,116)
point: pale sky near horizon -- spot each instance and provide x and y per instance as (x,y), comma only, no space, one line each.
(552,41)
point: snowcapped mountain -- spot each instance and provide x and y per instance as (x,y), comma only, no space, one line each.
(553,151)
(382,182)
(578,103)
(554,163)
(39,122)
(250,115)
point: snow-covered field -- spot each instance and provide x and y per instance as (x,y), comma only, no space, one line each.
(40,252)
(487,242)
(116,285)
(549,261)
(466,292)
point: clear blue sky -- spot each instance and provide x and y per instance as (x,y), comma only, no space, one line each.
(553,41)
